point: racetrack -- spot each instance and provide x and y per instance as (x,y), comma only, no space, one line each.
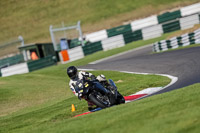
(184,64)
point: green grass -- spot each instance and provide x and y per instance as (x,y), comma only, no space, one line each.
(32,19)
(175,111)
(37,98)
(28,90)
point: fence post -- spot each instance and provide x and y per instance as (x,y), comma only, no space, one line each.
(22,44)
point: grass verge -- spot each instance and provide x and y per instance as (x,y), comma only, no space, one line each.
(37,16)
(50,102)
(175,111)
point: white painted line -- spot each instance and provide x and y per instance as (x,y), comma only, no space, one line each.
(86,69)
(116,55)
(149,91)
(173,80)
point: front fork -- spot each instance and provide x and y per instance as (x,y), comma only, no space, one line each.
(115,87)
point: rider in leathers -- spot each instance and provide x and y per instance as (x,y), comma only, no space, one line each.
(75,76)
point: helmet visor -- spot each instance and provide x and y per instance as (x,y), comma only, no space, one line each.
(72,75)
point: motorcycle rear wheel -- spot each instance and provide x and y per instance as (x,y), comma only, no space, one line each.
(120,98)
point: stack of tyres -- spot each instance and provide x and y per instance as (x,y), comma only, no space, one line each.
(132,36)
(118,30)
(173,26)
(168,16)
(92,48)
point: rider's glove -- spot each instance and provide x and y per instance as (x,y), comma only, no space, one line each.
(80,94)
(93,78)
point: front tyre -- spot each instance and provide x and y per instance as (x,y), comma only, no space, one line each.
(99,100)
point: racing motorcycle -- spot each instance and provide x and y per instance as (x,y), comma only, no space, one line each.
(95,92)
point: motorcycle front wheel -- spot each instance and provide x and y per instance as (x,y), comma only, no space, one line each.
(99,100)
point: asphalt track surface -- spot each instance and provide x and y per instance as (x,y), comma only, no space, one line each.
(184,64)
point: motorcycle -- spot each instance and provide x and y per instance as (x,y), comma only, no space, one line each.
(95,92)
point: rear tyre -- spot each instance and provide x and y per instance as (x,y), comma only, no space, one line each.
(120,99)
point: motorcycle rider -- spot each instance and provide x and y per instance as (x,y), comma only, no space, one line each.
(76,76)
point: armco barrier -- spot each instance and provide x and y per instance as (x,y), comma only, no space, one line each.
(175,42)
(41,63)
(168,16)
(92,47)
(189,21)
(113,42)
(15,69)
(189,10)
